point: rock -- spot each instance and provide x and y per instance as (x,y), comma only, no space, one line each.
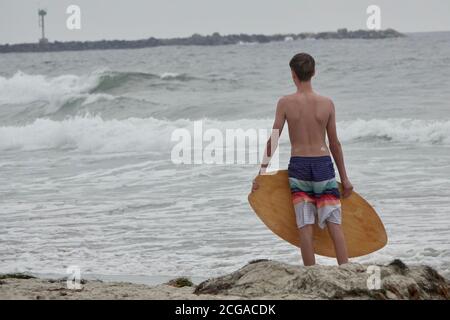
(401,267)
(271,279)
(16,276)
(180,282)
(390,295)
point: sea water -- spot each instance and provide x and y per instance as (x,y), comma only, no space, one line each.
(87,180)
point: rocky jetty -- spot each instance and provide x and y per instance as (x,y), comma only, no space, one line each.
(214,39)
(259,279)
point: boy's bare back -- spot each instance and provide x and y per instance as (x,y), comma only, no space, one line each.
(308,115)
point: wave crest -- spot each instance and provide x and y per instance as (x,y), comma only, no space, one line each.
(24,88)
(396,131)
(94,134)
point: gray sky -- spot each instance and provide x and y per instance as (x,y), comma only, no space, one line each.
(135,19)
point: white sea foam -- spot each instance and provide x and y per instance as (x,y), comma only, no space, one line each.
(169,75)
(396,130)
(24,88)
(94,134)
(88,134)
(95,97)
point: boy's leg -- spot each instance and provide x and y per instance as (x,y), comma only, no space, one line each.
(307,245)
(337,235)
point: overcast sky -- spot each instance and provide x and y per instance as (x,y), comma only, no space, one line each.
(135,19)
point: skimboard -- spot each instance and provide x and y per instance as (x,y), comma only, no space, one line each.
(364,232)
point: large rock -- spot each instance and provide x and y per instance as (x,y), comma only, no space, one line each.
(271,279)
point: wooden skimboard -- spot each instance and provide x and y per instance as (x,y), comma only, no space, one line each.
(363,229)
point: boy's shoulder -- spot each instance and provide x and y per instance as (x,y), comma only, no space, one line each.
(293,97)
(286,98)
(324,99)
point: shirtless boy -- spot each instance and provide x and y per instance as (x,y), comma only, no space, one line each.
(311,172)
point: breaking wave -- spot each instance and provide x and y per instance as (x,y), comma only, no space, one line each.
(94,134)
(55,92)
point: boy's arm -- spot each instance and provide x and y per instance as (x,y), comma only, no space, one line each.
(271,146)
(336,151)
(272,142)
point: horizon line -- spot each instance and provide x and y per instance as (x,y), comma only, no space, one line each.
(208,34)
(221,34)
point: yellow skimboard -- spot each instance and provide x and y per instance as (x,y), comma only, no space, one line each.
(363,229)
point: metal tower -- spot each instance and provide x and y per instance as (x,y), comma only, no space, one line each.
(42,13)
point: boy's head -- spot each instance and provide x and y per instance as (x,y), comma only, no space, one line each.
(303,66)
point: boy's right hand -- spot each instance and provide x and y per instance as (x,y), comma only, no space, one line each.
(347,188)
(255,185)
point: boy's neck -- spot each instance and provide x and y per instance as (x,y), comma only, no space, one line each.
(304,87)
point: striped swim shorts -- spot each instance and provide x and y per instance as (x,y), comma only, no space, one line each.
(314,190)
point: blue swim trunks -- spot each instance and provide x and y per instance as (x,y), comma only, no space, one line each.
(314,190)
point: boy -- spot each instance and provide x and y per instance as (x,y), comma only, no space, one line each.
(311,172)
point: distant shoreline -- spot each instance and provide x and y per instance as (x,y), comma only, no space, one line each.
(214,39)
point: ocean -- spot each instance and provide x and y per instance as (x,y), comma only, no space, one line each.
(87,180)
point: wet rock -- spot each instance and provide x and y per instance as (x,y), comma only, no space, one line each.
(180,282)
(272,279)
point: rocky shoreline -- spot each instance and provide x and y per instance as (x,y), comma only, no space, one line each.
(214,39)
(259,279)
